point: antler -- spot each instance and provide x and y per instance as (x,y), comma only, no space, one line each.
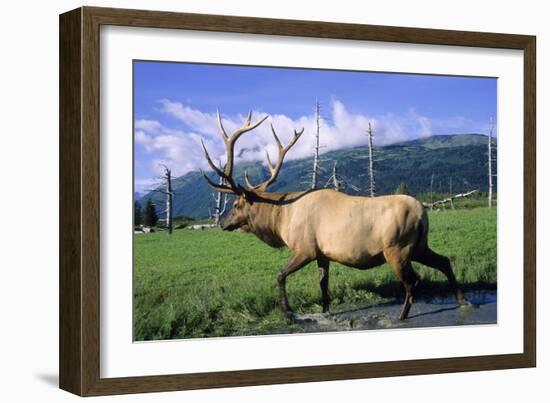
(227,172)
(274,169)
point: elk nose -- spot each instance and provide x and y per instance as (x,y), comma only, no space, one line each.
(223,225)
(227,226)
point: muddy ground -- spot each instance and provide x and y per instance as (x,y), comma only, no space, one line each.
(424,313)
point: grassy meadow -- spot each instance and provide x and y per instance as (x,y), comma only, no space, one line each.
(209,283)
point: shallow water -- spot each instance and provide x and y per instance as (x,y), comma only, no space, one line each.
(435,312)
(478,297)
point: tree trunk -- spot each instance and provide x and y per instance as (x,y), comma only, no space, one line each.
(316,151)
(169,203)
(371,164)
(432,188)
(451,191)
(490,160)
(335,181)
(220,204)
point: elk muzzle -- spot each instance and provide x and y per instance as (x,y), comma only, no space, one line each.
(228,224)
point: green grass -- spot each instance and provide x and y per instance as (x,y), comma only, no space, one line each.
(207,283)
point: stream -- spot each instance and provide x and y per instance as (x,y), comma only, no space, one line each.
(424,313)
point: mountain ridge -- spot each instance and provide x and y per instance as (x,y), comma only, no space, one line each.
(457,162)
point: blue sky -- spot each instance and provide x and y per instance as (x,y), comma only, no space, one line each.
(175,106)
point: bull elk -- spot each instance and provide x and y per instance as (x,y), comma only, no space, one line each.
(325,225)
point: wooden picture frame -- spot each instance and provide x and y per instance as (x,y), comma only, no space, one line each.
(79,346)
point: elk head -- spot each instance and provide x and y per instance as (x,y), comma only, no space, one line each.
(245,197)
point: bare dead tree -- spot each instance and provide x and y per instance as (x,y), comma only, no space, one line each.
(317,145)
(166,189)
(169,199)
(372,181)
(451,190)
(335,180)
(490,163)
(432,188)
(220,202)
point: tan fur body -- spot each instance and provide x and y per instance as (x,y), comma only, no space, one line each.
(356,231)
(352,230)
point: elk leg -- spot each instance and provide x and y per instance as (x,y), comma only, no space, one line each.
(410,280)
(443,264)
(295,264)
(399,261)
(323,264)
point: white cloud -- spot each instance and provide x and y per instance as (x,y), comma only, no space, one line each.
(425,125)
(181,150)
(142,185)
(144,139)
(148,125)
(194,119)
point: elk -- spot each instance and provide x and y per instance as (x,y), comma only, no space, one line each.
(325,225)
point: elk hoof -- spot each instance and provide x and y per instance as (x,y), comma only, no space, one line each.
(467,304)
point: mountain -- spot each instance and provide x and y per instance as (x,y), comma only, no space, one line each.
(459,160)
(444,141)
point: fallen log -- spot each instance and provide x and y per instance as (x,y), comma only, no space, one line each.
(448,199)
